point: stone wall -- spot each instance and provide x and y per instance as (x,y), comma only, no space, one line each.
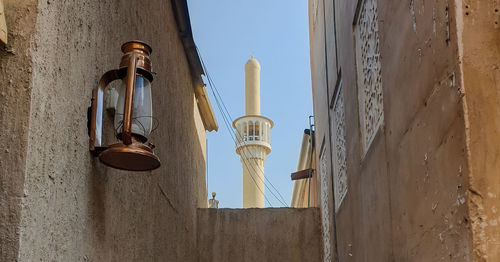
(58,203)
(270,234)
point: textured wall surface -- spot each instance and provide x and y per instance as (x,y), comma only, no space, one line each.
(321,60)
(270,234)
(72,207)
(478,28)
(407,190)
(15,89)
(425,131)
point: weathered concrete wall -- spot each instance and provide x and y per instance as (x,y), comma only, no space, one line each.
(73,207)
(478,27)
(270,234)
(406,195)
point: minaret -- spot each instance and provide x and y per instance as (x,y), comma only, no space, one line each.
(253,139)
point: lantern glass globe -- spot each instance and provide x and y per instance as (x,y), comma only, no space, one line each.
(142,111)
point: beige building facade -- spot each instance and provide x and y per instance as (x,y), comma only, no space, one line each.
(60,203)
(57,201)
(407,117)
(305,186)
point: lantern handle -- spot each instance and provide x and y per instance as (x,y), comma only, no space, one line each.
(97,109)
(129,100)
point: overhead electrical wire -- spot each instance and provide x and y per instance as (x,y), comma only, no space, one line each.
(218,103)
(244,162)
(234,136)
(237,135)
(282,200)
(212,85)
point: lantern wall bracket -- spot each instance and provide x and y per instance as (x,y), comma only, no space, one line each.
(96,112)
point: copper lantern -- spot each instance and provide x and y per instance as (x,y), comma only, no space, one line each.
(133,121)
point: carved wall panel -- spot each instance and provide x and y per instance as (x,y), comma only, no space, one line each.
(339,150)
(371,111)
(325,205)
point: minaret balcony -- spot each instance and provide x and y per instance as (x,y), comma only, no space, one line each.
(253,130)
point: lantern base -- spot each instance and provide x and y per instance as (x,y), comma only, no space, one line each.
(133,157)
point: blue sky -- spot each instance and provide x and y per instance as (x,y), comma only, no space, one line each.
(276,32)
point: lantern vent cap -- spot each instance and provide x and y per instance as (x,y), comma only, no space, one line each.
(137,46)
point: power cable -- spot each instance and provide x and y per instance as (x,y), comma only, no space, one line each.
(229,129)
(212,85)
(244,162)
(246,152)
(228,125)
(227,117)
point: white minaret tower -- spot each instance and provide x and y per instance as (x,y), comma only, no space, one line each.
(253,139)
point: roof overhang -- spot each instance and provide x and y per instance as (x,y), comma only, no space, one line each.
(181,15)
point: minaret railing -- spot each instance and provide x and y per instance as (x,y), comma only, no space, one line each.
(253,130)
